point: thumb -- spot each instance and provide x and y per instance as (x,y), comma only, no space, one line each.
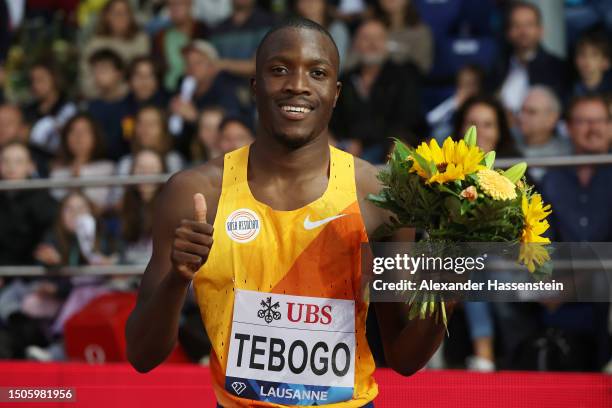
(199,204)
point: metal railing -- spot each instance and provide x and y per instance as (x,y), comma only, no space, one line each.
(76,182)
(559,161)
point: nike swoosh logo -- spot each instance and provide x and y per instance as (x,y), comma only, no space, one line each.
(308,225)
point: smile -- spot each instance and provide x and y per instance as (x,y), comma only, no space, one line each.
(295,112)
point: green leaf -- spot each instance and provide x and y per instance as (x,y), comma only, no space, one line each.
(402,150)
(489,159)
(470,136)
(423,163)
(516,172)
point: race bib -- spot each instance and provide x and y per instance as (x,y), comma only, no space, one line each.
(293,350)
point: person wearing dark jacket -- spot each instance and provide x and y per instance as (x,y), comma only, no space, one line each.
(379,98)
(24,214)
(527,63)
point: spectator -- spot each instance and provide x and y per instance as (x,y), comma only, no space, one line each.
(211,88)
(487,114)
(410,40)
(527,63)
(13,128)
(379,98)
(82,155)
(109,108)
(581,213)
(204,145)
(320,12)
(580,196)
(150,133)
(118,31)
(238,36)
(593,64)
(233,134)
(144,80)
(137,210)
(169,42)
(537,124)
(468,83)
(50,109)
(24,214)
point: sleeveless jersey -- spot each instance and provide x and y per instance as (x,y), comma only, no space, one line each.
(281,296)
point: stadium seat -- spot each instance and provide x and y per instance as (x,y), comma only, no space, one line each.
(96,333)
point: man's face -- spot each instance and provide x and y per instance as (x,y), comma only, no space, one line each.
(537,115)
(243,4)
(11,124)
(370,43)
(143,81)
(524,32)
(198,65)
(588,127)
(15,163)
(106,76)
(590,61)
(296,85)
(179,10)
(41,82)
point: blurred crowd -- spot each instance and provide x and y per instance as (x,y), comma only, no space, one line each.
(147,87)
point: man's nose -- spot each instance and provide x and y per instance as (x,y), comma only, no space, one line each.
(297,82)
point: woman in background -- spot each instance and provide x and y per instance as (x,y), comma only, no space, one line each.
(410,40)
(82,155)
(204,145)
(117,30)
(150,132)
(137,210)
(487,114)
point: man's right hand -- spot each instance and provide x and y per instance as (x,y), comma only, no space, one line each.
(192,241)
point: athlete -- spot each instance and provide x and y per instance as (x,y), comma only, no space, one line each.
(270,237)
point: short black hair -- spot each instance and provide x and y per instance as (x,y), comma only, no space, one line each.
(595,39)
(107,55)
(589,97)
(296,22)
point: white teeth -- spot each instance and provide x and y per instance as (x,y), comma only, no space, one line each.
(288,108)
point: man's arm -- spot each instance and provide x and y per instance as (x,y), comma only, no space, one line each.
(408,344)
(182,239)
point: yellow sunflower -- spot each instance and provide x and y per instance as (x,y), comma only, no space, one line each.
(535,213)
(497,186)
(452,162)
(533,255)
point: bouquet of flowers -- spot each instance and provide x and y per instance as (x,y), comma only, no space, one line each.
(454,194)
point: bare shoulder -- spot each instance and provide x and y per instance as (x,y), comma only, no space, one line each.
(366,177)
(367,183)
(180,188)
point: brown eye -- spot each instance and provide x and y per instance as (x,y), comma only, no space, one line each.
(279,70)
(318,73)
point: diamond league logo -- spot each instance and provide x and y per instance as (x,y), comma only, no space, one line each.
(238,387)
(268,311)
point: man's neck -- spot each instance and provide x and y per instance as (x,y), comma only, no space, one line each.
(593,80)
(47,103)
(113,94)
(272,160)
(203,86)
(185,27)
(397,21)
(538,139)
(525,55)
(585,175)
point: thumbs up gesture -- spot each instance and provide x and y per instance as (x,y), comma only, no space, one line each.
(192,241)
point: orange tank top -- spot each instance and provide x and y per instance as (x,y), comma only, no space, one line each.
(281,299)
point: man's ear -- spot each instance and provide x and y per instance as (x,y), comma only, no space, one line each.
(338,89)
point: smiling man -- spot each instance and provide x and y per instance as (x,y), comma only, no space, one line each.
(280,289)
